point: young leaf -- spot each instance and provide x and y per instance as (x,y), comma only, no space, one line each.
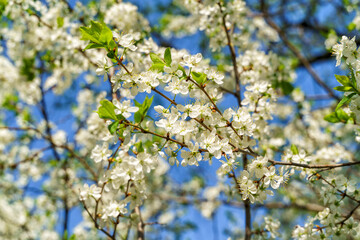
(60,21)
(156,59)
(286,87)
(345,100)
(91,33)
(113,127)
(294,149)
(343,80)
(342,115)
(167,57)
(200,78)
(106,35)
(139,147)
(157,67)
(143,109)
(181,68)
(343,88)
(93,45)
(106,110)
(332,117)
(97,33)
(338,116)
(147,103)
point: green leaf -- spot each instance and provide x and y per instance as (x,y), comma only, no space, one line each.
(3,4)
(72,237)
(107,110)
(351,26)
(181,68)
(120,117)
(167,57)
(200,78)
(286,87)
(110,54)
(137,117)
(338,116)
(27,68)
(343,80)
(97,33)
(112,45)
(139,147)
(344,88)
(156,59)
(332,117)
(345,100)
(342,115)
(113,127)
(93,45)
(106,34)
(91,33)
(143,109)
(294,149)
(60,21)
(157,67)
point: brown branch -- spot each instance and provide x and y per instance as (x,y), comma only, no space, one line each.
(344,194)
(233,57)
(247,207)
(329,166)
(140,226)
(349,215)
(296,52)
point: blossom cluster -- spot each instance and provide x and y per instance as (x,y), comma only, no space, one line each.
(143,109)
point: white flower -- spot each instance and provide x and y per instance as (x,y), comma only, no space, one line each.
(248,188)
(101,153)
(124,108)
(103,68)
(301,157)
(272,179)
(114,209)
(191,110)
(126,41)
(258,166)
(193,156)
(191,61)
(59,138)
(87,192)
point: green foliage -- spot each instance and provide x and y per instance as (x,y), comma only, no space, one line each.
(345,100)
(343,80)
(3,4)
(107,110)
(113,127)
(28,68)
(167,57)
(60,21)
(139,147)
(10,102)
(143,109)
(157,67)
(200,78)
(100,36)
(348,85)
(294,149)
(339,116)
(285,86)
(156,59)
(343,88)
(351,26)
(158,64)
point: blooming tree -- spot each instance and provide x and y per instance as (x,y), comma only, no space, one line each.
(98,108)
